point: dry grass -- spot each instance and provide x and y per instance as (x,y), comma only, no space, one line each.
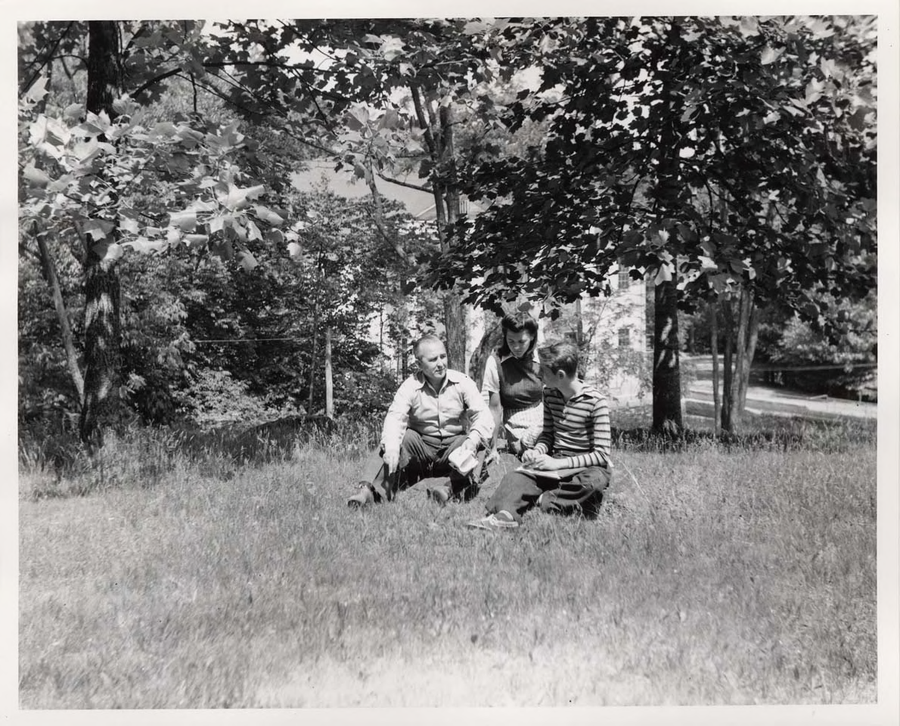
(711,577)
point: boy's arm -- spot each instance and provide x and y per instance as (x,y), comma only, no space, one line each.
(544,443)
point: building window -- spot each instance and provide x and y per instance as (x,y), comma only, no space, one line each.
(624,338)
(624,279)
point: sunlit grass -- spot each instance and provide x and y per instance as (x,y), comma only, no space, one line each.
(712,576)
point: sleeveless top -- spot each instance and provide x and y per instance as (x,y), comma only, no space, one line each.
(520,383)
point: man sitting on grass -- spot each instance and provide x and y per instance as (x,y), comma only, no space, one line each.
(434,412)
(569,468)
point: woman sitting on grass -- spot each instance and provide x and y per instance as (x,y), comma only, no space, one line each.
(568,470)
(512,384)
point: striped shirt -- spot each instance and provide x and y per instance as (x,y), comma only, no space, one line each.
(576,430)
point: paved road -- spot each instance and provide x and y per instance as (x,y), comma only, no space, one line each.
(777,401)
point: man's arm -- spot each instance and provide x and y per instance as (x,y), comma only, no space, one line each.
(397,417)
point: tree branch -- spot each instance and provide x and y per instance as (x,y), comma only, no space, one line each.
(46,60)
(378,216)
(157,79)
(417,187)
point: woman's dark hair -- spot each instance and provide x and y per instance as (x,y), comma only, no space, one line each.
(516,323)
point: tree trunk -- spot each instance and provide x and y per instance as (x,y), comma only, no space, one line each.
(329,381)
(48,267)
(747,337)
(667,399)
(313,366)
(454,315)
(101,310)
(101,348)
(493,335)
(714,347)
(439,140)
(666,371)
(727,365)
(745,347)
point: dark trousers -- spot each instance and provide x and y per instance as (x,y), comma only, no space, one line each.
(419,459)
(580,493)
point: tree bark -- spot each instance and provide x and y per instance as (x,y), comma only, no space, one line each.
(666,370)
(101,310)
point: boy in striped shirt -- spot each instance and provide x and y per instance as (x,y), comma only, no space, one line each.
(569,467)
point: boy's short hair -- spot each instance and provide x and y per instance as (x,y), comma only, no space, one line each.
(427,338)
(560,355)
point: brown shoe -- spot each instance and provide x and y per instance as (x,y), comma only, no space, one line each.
(363,497)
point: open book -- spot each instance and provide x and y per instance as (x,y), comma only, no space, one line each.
(555,474)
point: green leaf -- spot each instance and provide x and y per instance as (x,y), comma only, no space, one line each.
(237,198)
(74,111)
(248,261)
(664,274)
(218,223)
(129,224)
(34,176)
(98,229)
(38,90)
(770,55)
(186,221)
(108,251)
(267,215)
(390,119)
(164,128)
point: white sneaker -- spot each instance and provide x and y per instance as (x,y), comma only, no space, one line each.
(502,520)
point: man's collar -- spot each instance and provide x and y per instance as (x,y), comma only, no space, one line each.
(452,377)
